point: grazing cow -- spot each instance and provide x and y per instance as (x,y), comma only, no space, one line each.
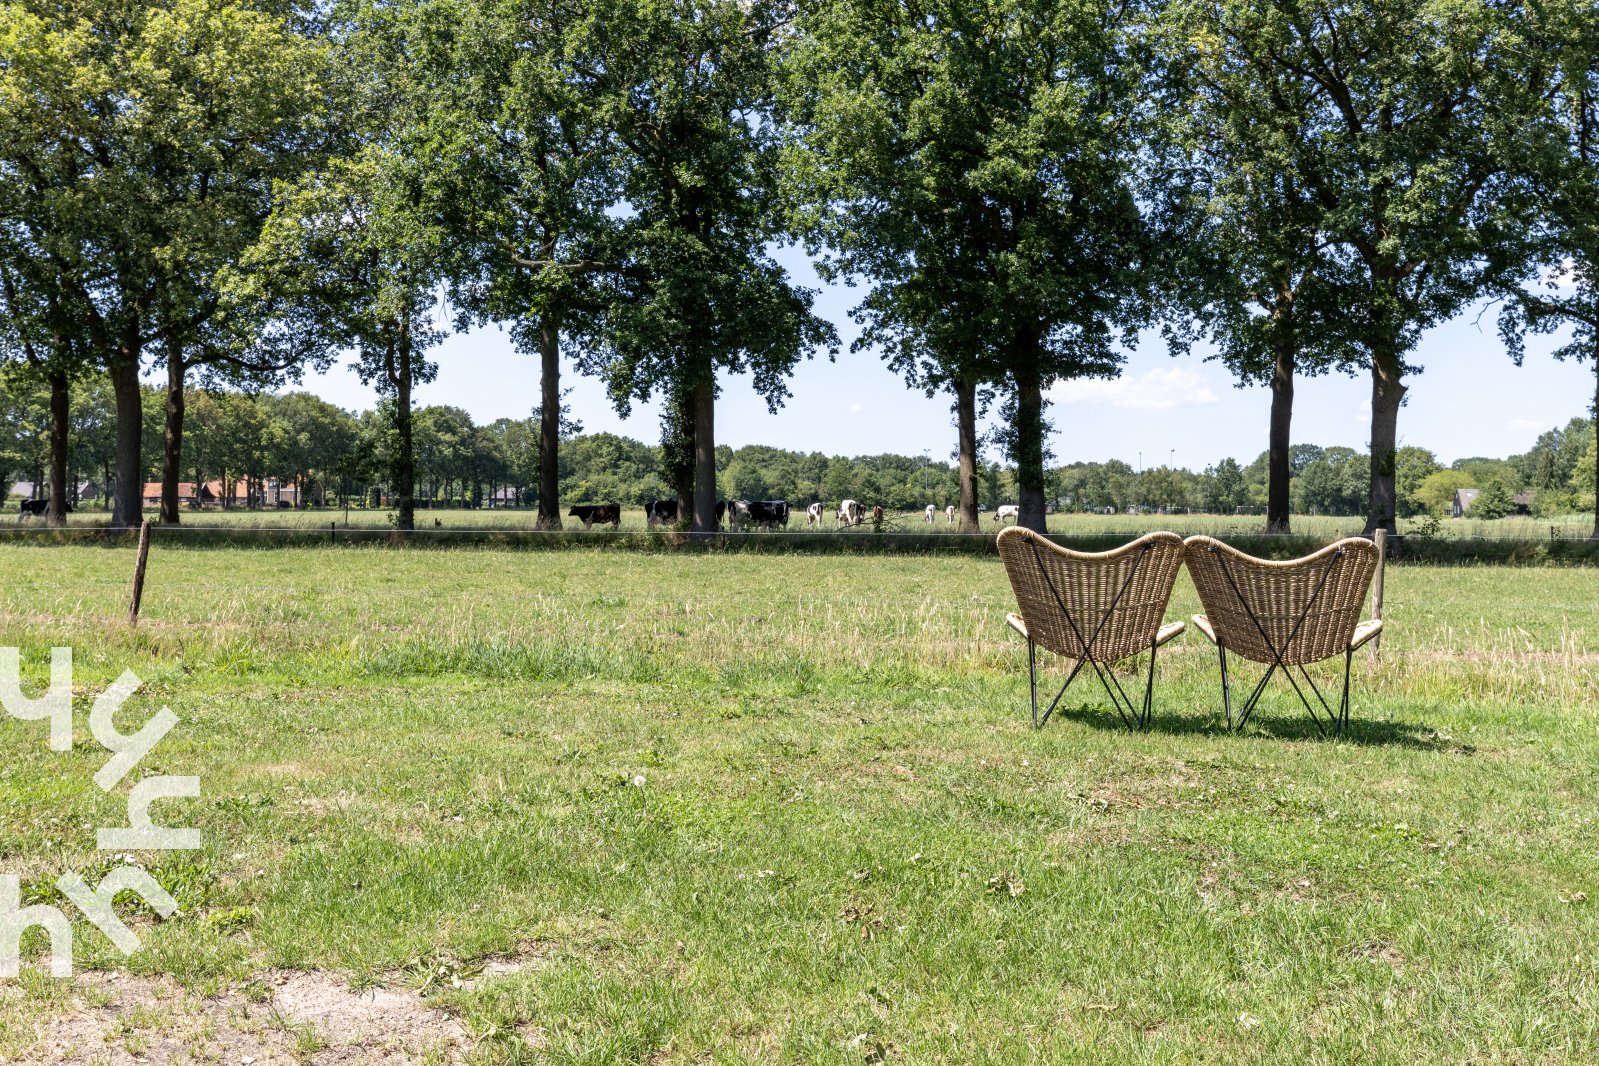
(949,514)
(768,514)
(877,514)
(849,513)
(813,514)
(660,513)
(603,513)
(738,512)
(37,509)
(931,511)
(1008,510)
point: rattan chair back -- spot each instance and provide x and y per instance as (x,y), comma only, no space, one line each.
(1300,611)
(1115,600)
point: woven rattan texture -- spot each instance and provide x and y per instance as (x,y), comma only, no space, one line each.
(1277,594)
(1046,576)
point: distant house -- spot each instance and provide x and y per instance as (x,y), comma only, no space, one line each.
(1464,498)
(504,498)
(87,490)
(206,493)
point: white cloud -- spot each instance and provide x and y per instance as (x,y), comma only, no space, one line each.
(1153,390)
(855,408)
(1526,424)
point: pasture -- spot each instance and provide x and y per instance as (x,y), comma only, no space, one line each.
(444,521)
(588,807)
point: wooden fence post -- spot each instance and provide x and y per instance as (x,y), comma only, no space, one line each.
(1381,539)
(138,573)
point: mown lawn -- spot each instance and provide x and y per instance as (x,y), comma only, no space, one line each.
(753,808)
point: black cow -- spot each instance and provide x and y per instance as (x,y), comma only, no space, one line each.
(37,509)
(666,512)
(769,513)
(603,513)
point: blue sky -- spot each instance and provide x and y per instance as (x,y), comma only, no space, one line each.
(1470,399)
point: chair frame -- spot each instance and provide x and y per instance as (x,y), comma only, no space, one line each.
(1338,720)
(1134,716)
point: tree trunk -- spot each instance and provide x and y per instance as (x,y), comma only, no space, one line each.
(60,421)
(1279,473)
(127,505)
(549,425)
(1387,392)
(966,433)
(405,456)
(704,397)
(677,450)
(172,445)
(1596,433)
(1030,451)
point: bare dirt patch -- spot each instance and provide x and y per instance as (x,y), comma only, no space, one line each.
(283,1019)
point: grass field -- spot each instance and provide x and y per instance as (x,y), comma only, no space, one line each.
(600,807)
(446,521)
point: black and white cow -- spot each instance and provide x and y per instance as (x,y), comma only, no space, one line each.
(603,513)
(813,514)
(37,509)
(660,513)
(1008,510)
(849,513)
(769,514)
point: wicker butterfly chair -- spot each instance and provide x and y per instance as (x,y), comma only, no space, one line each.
(1097,608)
(1285,614)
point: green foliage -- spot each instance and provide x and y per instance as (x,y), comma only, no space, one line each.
(1436,493)
(1333,483)
(1225,491)
(1495,500)
(973,164)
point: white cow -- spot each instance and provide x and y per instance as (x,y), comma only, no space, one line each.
(1008,510)
(813,515)
(931,511)
(949,514)
(738,512)
(849,513)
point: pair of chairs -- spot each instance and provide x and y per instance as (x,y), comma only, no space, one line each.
(1100,608)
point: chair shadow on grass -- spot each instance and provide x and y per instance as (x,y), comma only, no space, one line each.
(1279,718)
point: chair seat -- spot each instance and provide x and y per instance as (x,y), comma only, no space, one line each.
(1167,631)
(1363,632)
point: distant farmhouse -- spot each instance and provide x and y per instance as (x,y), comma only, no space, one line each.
(87,490)
(1464,498)
(209,494)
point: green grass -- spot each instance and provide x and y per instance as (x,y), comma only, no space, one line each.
(451,520)
(848,845)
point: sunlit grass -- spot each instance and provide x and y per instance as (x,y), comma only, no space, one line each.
(847,842)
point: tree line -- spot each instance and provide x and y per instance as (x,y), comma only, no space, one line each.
(329,456)
(224,193)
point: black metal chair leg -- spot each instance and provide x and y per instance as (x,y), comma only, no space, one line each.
(1226,688)
(1149,687)
(1343,704)
(1032,677)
